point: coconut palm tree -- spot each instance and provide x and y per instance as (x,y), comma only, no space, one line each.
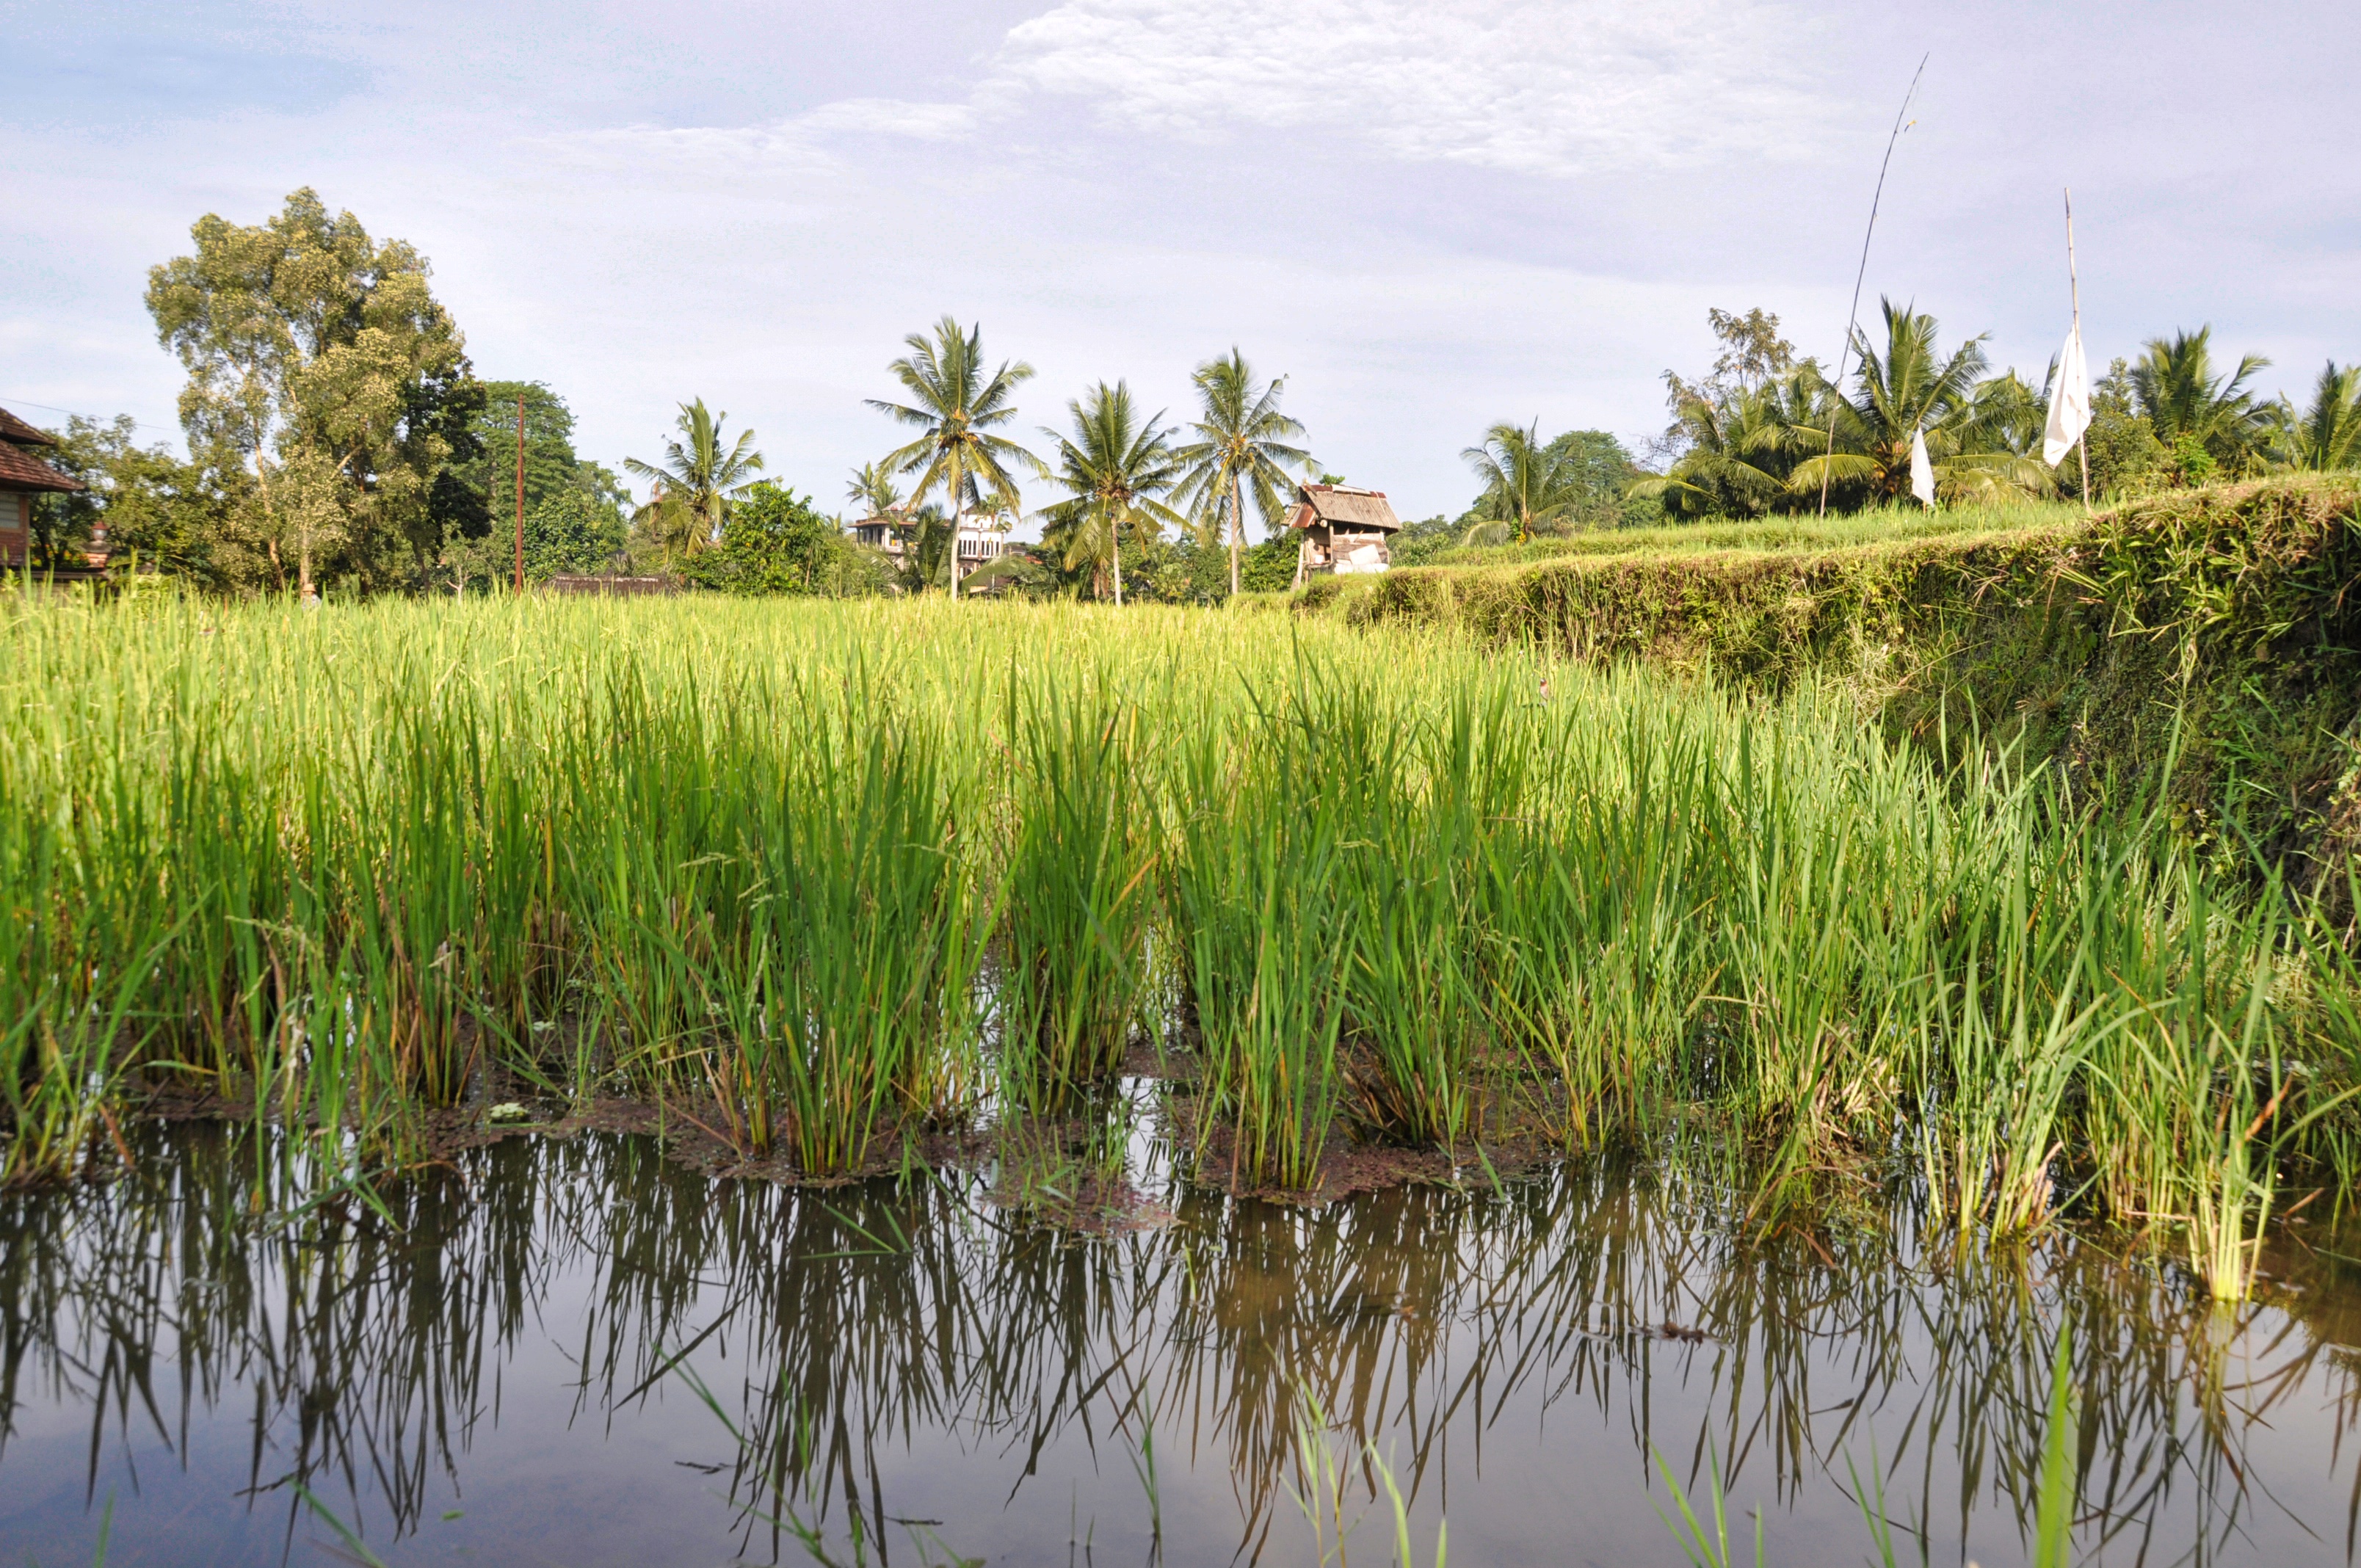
(873,489)
(2175,387)
(1240,451)
(695,483)
(1863,441)
(957,408)
(2327,434)
(1527,483)
(1743,447)
(1114,467)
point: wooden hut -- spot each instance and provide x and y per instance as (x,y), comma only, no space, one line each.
(1343,529)
(23,479)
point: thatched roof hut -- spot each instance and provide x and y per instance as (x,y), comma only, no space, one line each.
(1343,529)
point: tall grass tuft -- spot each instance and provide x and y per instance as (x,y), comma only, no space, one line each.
(1077,893)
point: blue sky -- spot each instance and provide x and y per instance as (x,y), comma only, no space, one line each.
(1430,215)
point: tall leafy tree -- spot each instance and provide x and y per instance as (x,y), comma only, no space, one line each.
(2327,436)
(1241,452)
(2177,386)
(1115,467)
(574,509)
(320,362)
(1913,388)
(956,406)
(701,476)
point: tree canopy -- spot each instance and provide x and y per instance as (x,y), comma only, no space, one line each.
(1115,468)
(319,361)
(1242,452)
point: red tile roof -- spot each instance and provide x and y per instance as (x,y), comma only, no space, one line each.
(23,435)
(20,470)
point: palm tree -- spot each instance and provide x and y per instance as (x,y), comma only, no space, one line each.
(2328,434)
(1912,390)
(957,407)
(696,482)
(872,486)
(1240,451)
(1743,447)
(1526,484)
(2176,390)
(1114,467)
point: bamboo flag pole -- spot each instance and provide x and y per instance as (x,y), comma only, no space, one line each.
(1854,316)
(2074,281)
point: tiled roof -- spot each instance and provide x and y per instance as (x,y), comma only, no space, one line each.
(23,435)
(20,470)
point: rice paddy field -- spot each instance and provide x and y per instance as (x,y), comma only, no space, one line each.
(699,1081)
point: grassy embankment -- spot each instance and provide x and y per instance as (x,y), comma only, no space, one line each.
(827,876)
(2205,640)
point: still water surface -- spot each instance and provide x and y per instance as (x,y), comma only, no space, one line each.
(515,1375)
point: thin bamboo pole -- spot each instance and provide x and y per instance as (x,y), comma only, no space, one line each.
(2081,449)
(1852,316)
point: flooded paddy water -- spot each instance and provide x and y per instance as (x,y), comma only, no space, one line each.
(580,1352)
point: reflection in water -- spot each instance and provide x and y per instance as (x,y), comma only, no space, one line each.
(510,1369)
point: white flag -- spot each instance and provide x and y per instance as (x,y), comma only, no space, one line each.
(2070,402)
(1922,472)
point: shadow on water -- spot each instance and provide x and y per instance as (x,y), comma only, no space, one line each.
(511,1370)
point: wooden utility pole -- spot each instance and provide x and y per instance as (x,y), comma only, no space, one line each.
(519,534)
(2081,449)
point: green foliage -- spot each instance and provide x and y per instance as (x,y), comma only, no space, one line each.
(156,509)
(319,358)
(2194,411)
(774,543)
(570,532)
(957,408)
(695,486)
(574,518)
(1241,453)
(1115,467)
(1269,567)
(2209,620)
(2122,445)
(2327,436)
(1420,543)
(1404,887)
(1912,390)
(1532,485)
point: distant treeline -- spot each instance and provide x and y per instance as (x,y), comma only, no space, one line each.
(339,440)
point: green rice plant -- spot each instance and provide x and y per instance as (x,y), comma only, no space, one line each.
(1077,897)
(1259,917)
(1407,999)
(866,949)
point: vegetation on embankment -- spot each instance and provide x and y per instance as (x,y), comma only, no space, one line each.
(2204,637)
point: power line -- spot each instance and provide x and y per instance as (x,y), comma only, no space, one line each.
(77,414)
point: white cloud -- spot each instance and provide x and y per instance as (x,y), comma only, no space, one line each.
(1523,85)
(1514,84)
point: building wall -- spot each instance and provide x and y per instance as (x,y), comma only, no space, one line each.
(16,517)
